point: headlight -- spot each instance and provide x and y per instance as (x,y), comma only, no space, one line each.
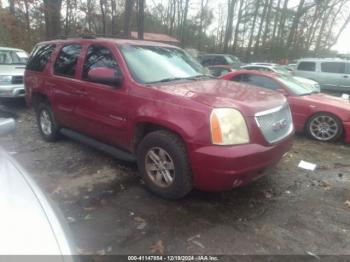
(228,127)
(5,79)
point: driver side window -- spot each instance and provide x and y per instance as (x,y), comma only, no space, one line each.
(99,56)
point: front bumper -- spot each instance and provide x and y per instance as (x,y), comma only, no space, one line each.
(220,168)
(12,91)
(346,126)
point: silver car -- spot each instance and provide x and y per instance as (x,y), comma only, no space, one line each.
(29,224)
(12,65)
(331,73)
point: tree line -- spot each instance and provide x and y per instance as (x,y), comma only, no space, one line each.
(268,30)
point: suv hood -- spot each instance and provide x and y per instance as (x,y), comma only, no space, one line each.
(12,70)
(221,93)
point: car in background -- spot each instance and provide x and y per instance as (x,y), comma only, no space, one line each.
(310,84)
(331,73)
(220,59)
(323,117)
(151,103)
(219,70)
(12,65)
(30,223)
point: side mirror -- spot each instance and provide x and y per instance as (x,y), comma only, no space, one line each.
(7,125)
(282,91)
(105,75)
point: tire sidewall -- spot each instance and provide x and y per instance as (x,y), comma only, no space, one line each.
(180,186)
(54,127)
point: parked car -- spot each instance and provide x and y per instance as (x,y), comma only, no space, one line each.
(150,102)
(323,117)
(30,224)
(310,84)
(220,59)
(12,65)
(332,74)
(219,70)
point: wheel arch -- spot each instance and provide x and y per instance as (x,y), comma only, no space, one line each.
(146,126)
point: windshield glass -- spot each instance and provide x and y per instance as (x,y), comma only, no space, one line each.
(294,86)
(151,64)
(9,57)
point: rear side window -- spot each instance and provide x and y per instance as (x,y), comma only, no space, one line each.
(307,66)
(39,57)
(261,81)
(237,78)
(99,56)
(67,59)
(333,67)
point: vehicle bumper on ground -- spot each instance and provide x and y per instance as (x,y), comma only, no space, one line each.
(346,132)
(217,168)
(9,91)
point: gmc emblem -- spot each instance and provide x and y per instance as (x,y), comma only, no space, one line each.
(278,126)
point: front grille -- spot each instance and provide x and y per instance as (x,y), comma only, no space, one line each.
(275,124)
(17,80)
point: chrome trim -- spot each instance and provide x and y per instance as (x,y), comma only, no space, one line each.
(270,111)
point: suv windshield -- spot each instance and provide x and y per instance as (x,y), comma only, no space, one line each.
(152,64)
(294,86)
(9,57)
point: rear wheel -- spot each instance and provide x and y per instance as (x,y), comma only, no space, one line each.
(163,163)
(325,127)
(47,124)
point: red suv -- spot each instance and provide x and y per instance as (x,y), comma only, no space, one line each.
(152,103)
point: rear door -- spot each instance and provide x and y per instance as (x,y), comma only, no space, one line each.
(345,79)
(332,75)
(103,108)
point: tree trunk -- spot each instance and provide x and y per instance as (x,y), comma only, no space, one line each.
(184,23)
(141,19)
(252,29)
(129,6)
(281,29)
(27,18)
(203,7)
(52,18)
(12,7)
(267,23)
(294,28)
(67,18)
(239,19)
(103,13)
(114,17)
(229,24)
(262,21)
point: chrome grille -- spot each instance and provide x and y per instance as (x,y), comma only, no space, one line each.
(275,124)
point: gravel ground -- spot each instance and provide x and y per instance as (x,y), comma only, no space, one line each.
(292,211)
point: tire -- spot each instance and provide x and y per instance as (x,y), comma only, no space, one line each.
(48,126)
(176,181)
(324,127)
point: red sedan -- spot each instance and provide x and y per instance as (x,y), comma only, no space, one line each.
(323,117)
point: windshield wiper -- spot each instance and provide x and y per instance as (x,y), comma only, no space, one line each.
(199,77)
(170,79)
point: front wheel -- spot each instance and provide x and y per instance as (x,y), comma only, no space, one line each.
(325,127)
(163,163)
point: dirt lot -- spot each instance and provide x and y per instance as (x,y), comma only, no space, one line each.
(292,211)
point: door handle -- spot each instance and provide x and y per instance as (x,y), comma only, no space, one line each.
(346,76)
